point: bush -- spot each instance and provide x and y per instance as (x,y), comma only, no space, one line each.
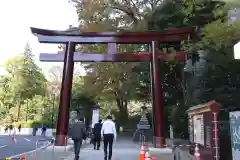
(32,124)
(54,132)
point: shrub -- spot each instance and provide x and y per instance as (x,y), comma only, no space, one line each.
(32,124)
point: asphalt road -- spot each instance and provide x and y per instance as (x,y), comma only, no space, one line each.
(22,144)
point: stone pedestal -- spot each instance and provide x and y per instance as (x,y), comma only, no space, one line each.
(146,132)
(143,128)
(162,153)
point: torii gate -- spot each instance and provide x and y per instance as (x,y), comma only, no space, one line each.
(110,38)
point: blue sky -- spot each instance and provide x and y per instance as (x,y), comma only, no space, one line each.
(17,16)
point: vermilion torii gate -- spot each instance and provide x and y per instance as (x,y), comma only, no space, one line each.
(112,39)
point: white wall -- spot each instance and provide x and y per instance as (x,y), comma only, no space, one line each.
(28,131)
(237,50)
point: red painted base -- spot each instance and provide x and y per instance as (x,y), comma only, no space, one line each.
(160,142)
(61,140)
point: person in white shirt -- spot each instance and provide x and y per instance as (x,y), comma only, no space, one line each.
(108,133)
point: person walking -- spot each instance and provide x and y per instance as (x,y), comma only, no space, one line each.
(109,134)
(34,132)
(10,129)
(97,134)
(77,133)
(44,130)
(6,129)
(19,128)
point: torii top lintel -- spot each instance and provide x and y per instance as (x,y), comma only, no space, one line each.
(54,36)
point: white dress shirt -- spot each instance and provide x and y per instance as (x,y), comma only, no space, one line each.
(108,127)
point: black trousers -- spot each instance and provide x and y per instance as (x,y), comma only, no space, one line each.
(77,146)
(108,142)
(96,141)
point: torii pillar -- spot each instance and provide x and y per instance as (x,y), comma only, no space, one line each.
(112,39)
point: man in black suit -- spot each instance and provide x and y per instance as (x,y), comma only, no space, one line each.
(97,134)
(77,131)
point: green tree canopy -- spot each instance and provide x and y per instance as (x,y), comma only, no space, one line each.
(24,81)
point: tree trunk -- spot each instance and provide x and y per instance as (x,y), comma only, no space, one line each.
(18,114)
(123,110)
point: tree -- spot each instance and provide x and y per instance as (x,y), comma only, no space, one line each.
(128,15)
(55,73)
(219,79)
(117,85)
(223,38)
(25,78)
(5,97)
(54,83)
(180,14)
(120,83)
(93,16)
(81,100)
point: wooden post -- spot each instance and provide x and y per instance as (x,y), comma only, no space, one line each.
(65,96)
(157,94)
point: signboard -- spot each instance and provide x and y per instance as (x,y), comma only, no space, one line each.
(235,134)
(95,116)
(208,129)
(190,128)
(198,129)
(208,136)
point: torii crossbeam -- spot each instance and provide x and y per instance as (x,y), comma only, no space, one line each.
(112,39)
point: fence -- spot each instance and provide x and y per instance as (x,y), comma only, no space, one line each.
(142,138)
(182,153)
(40,141)
(52,142)
(39,146)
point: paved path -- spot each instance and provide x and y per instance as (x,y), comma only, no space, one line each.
(21,145)
(122,150)
(53,153)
